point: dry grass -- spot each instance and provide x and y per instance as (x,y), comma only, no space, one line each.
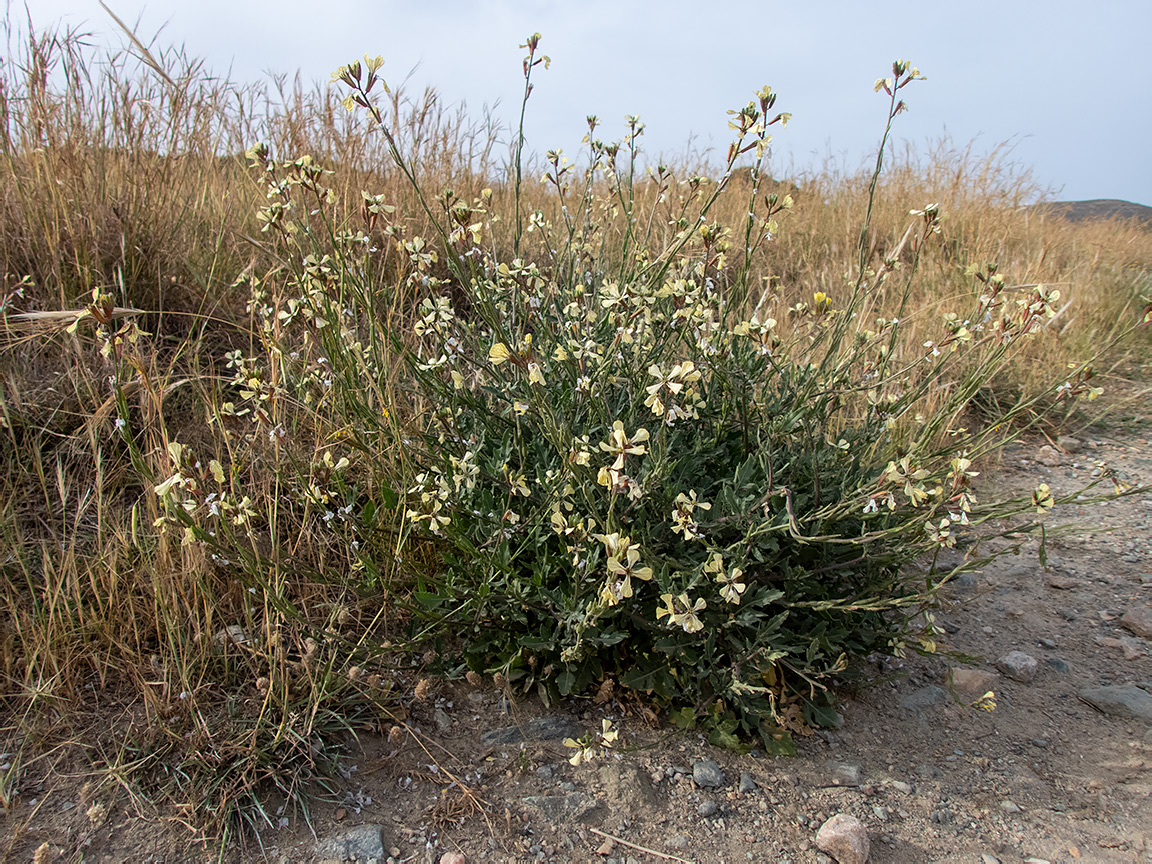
(116,179)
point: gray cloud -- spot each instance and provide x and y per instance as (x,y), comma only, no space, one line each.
(1067,84)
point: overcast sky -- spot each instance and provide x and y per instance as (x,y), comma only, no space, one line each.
(1070,84)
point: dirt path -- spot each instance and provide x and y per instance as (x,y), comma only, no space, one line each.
(1046,776)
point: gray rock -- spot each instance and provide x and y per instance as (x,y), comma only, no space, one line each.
(561,808)
(844,838)
(708,809)
(989,859)
(1009,806)
(963,583)
(1138,621)
(678,841)
(747,784)
(544,772)
(1060,581)
(1126,700)
(540,729)
(1069,444)
(845,774)
(358,842)
(1019,666)
(920,700)
(707,774)
(443,721)
(928,772)
(1048,455)
(1058,665)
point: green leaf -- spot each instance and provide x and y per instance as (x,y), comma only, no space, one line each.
(427,599)
(822,715)
(565,681)
(721,737)
(684,718)
(777,741)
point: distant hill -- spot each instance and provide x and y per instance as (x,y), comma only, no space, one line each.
(1099,209)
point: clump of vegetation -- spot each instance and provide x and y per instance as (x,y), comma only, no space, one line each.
(628,459)
(573,425)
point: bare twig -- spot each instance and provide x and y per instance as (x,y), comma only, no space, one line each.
(641,848)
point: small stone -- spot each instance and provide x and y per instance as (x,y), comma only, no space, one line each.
(1132,648)
(357,842)
(747,784)
(1069,444)
(707,774)
(1060,582)
(443,721)
(1048,455)
(919,700)
(1009,807)
(540,729)
(544,772)
(453,858)
(678,841)
(989,859)
(708,809)
(1138,621)
(606,847)
(1047,643)
(844,838)
(845,774)
(901,786)
(1127,701)
(1058,665)
(1018,666)
(964,583)
(971,684)
(880,813)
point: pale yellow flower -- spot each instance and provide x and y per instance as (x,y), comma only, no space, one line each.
(498,353)
(620,444)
